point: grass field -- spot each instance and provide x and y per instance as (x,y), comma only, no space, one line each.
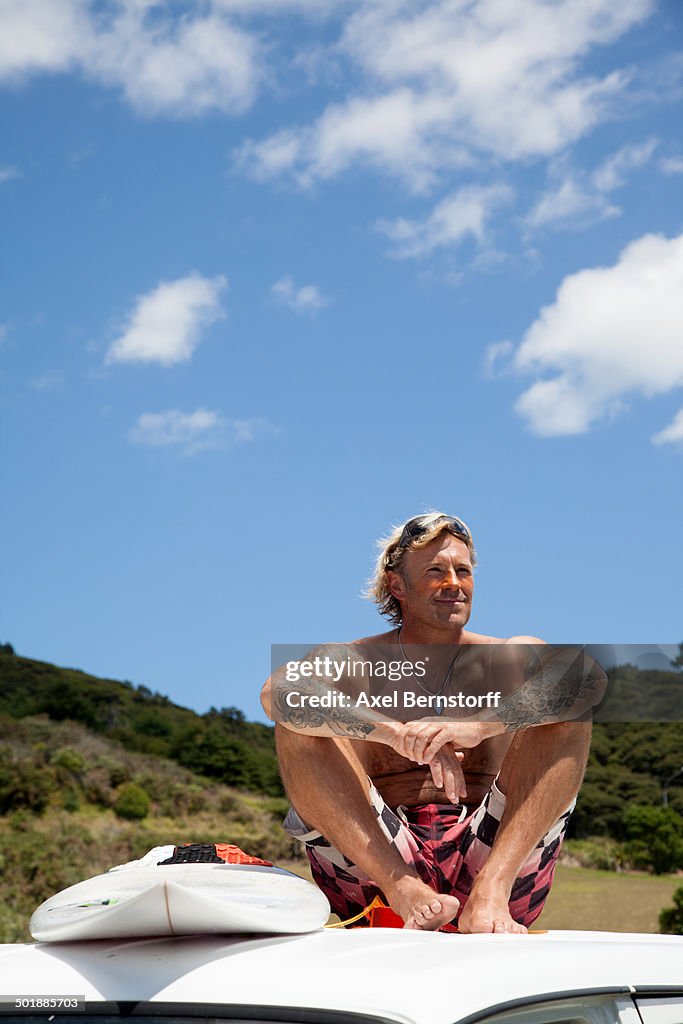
(607,901)
(604,901)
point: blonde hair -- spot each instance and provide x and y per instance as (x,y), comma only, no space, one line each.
(393,549)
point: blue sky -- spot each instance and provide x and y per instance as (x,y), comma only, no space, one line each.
(277,275)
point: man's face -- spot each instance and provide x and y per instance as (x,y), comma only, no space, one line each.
(436,585)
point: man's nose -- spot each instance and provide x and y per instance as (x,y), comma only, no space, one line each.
(450,581)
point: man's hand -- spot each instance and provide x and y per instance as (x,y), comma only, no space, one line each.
(421,741)
(444,762)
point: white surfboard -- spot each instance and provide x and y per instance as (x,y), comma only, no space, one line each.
(146,898)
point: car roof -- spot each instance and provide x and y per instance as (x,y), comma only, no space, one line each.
(397,974)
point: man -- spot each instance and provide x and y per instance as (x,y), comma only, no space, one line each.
(445,819)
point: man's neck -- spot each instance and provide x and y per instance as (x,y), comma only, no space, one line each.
(411,632)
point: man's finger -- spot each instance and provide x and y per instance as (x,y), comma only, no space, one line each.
(426,740)
(454,778)
(436,744)
(409,745)
(437,773)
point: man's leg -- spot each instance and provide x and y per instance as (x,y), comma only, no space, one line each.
(540,778)
(330,790)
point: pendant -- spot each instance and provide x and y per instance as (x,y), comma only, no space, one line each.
(438,710)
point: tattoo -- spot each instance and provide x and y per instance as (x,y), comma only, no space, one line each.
(555,685)
(341,720)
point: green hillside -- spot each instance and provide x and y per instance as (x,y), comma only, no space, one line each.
(220,744)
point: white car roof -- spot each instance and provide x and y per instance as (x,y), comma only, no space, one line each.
(408,976)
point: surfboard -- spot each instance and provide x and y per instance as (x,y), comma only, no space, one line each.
(186,890)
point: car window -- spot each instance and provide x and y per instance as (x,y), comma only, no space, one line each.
(575,1009)
(660,1009)
(166,1013)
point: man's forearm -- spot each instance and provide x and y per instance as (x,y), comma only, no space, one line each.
(319,709)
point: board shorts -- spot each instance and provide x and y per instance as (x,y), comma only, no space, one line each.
(445,843)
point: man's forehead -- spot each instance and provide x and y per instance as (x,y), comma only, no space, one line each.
(445,547)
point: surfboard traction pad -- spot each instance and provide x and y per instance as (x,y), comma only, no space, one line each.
(211,853)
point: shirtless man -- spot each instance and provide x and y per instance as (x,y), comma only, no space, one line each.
(380,803)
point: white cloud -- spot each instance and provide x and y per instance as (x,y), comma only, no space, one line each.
(41,36)
(581,198)
(673,433)
(306,299)
(462,214)
(671,165)
(7,173)
(611,333)
(391,133)
(166,324)
(612,172)
(47,381)
(573,203)
(443,82)
(182,65)
(186,67)
(196,431)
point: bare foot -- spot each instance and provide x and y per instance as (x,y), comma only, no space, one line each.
(488,914)
(421,907)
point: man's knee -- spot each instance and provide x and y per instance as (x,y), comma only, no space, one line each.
(545,746)
(574,740)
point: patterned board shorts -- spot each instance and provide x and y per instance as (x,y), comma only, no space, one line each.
(445,844)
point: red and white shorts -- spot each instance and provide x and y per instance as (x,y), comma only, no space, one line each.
(445,843)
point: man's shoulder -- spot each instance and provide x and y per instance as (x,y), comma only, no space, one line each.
(525,640)
(483,638)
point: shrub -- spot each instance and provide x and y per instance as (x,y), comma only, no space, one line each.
(671,919)
(118,772)
(71,801)
(69,762)
(24,785)
(598,852)
(132,802)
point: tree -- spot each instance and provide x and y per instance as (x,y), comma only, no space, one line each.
(654,838)
(677,662)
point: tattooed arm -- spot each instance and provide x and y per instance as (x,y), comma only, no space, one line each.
(560,684)
(324,703)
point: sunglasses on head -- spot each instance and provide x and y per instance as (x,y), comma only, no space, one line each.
(419,525)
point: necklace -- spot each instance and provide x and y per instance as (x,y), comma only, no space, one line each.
(437,710)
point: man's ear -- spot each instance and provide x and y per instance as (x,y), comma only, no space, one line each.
(397,585)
